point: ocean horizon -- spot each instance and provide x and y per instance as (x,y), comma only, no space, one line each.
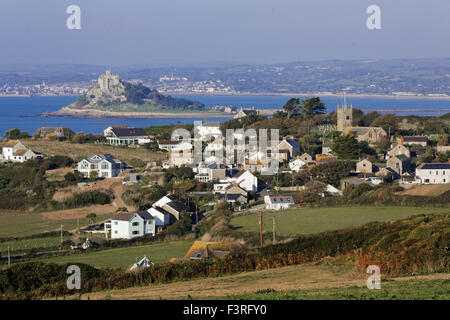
(24,112)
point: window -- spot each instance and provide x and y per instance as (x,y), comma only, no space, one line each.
(116,232)
(115,223)
(135,224)
(135,232)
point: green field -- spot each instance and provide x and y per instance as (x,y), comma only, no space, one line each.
(316,220)
(31,243)
(20,224)
(125,257)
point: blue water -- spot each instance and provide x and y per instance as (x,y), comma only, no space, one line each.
(22,112)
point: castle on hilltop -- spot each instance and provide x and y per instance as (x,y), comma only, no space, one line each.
(344,117)
(108,80)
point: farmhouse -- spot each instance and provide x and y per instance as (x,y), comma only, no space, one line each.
(296,164)
(131,225)
(398,149)
(15,151)
(105,165)
(278,202)
(126,136)
(433,173)
(399,164)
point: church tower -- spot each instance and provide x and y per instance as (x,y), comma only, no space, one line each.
(344,117)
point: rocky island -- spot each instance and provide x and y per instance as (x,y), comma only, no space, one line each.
(112,97)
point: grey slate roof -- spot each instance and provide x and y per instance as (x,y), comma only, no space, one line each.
(127,216)
(129,132)
(434,166)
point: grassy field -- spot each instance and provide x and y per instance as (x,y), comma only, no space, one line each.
(328,280)
(125,257)
(32,243)
(19,224)
(413,289)
(80,151)
(315,220)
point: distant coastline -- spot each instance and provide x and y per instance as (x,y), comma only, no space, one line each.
(94,113)
(293,94)
(317,94)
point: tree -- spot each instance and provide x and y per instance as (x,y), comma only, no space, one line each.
(346,147)
(16,134)
(291,106)
(93,175)
(91,217)
(332,172)
(388,121)
(312,106)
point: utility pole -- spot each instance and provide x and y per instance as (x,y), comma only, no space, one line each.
(261,227)
(9,258)
(60,248)
(273,230)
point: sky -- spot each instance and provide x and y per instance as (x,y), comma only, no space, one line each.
(152,32)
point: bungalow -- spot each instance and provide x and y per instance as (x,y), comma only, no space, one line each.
(15,151)
(106,165)
(278,202)
(233,198)
(433,173)
(127,136)
(131,225)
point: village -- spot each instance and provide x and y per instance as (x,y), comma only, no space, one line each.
(136,189)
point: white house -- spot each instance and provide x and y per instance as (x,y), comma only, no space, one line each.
(296,164)
(126,136)
(15,151)
(131,225)
(168,209)
(433,173)
(278,202)
(245,179)
(106,166)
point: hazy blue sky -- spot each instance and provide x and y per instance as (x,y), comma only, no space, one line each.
(236,31)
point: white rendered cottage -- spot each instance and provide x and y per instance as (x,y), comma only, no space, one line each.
(131,225)
(15,151)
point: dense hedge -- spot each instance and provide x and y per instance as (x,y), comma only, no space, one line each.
(414,245)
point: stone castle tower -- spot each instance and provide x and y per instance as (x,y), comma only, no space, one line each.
(107,81)
(344,117)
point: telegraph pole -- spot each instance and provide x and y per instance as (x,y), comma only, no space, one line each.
(60,248)
(9,258)
(273,230)
(261,227)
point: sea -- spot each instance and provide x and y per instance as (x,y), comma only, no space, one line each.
(23,112)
